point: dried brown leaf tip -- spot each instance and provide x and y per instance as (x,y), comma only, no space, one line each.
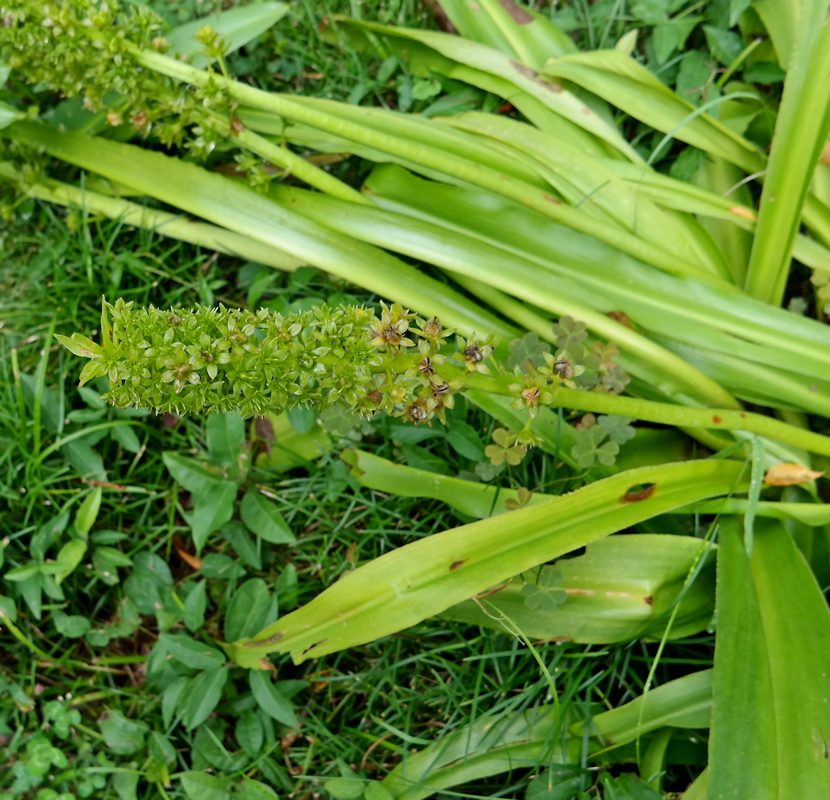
(790,475)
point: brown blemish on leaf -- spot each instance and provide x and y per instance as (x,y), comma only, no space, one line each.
(456,565)
(743,416)
(740,211)
(649,601)
(516,13)
(588,592)
(270,640)
(552,200)
(534,76)
(312,646)
(621,317)
(635,495)
(716,419)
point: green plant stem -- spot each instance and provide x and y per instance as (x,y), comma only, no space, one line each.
(667,414)
(311,113)
(281,156)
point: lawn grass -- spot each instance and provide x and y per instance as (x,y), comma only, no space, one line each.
(364,709)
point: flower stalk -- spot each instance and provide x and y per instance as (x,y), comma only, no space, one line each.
(210,360)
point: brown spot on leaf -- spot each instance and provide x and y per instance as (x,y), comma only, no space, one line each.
(312,646)
(637,494)
(517,14)
(270,640)
(740,211)
(743,416)
(552,200)
(456,565)
(534,76)
(621,317)
(716,419)
(649,601)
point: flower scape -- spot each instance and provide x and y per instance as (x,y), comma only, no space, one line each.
(214,360)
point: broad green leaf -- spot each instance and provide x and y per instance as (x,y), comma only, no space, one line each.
(683,703)
(513,29)
(797,634)
(249,732)
(377,791)
(201,786)
(345,788)
(225,434)
(203,695)
(269,699)
(218,565)
(632,88)
(126,437)
(190,652)
(428,576)
(743,713)
(8,114)
(801,130)
(73,626)
(498,64)
(191,475)
(232,205)
(511,739)
(170,698)
(211,511)
(580,291)
(161,749)
(422,459)
(237,26)
(122,735)
(195,606)
(264,519)
(623,588)
(248,610)
(473,499)
(22,573)
(8,608)
(250,789)
(88,512)
(146,583)
(69,557)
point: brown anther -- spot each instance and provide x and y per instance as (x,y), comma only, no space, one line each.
(113,118)
(391,335)
(207,357)
(473,354)
(425,367)
(140,120)
(375,397)
(440,389)
(173,320)
(433,329)
(416,412)
(564,369)
(237,337)
(531,395)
